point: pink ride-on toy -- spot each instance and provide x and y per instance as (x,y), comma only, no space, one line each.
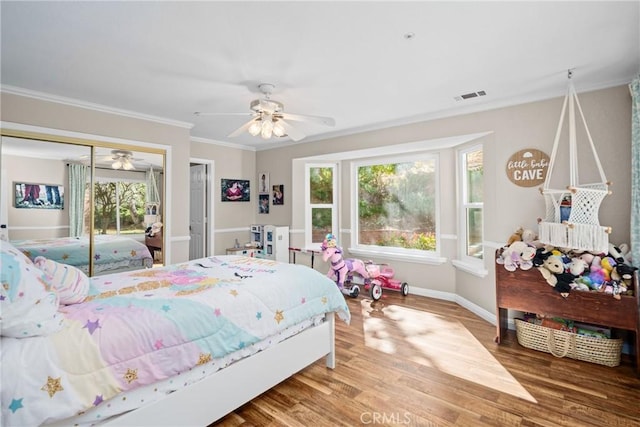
(380,277)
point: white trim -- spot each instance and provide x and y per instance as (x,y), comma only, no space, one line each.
(210,169)
(449,237)
(222,143)
(80,135)
(32,227)
(392,149)
(14,90)
(396,256)
(180,238)
(432,257)
(231,230)
(476,309)
(452,297)
(493,245)
(471,268)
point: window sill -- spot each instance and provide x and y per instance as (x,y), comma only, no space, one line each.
(470,268)
(419,259)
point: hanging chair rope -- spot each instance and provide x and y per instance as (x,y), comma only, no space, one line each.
(572,214)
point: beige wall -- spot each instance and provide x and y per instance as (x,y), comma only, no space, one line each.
(231,219)
(28,223)
(34,112)
(507,206)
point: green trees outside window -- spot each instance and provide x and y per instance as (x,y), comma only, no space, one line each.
(119,207)
(397,205)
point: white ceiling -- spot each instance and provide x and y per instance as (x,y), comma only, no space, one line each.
(348,60)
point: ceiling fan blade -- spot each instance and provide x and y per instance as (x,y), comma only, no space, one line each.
(241,129)
(326,121)
(293,133)
(201,113)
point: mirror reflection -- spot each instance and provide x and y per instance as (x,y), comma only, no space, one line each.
(51,207)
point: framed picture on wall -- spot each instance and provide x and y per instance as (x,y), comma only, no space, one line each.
(278,194)
(38,196)
(263,203)
(263,182)
(235,190)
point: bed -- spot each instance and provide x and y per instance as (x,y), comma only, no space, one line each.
(183,344)
(111,253)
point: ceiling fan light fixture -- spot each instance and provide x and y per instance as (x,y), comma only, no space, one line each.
(255,127)
(127,165)
(267,128)
(278,129)
(117,164)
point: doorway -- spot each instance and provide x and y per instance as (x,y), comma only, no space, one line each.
(200,208)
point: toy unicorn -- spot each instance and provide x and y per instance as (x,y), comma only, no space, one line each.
(341,267)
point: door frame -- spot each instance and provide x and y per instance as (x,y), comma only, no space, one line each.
(209,205)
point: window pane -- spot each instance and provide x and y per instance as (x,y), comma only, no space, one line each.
(397,205)
(119,200)
(474,232)
(320,223)
(474,172)
(321,186)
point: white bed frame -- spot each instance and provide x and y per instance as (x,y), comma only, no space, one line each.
(212,398)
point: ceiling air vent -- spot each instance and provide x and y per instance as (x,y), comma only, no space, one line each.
(470,95)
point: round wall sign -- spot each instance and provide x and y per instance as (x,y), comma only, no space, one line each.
(528,167)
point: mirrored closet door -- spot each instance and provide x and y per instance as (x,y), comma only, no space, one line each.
(83,203)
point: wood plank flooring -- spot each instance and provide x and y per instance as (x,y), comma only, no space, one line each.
(418,361)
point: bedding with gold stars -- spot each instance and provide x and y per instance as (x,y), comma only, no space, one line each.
(138,328)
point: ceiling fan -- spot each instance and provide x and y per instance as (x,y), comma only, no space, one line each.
(121,159)
(269,119)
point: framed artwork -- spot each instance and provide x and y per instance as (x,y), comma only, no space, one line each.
(38,196)
(263,203)
(278,194)
(263,182)
(235,190)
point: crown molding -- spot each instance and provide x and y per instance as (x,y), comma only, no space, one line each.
(222,143)
(14,90)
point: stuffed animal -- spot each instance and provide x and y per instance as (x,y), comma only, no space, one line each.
(517,255)
(515,237)
(554,273)
(597,274)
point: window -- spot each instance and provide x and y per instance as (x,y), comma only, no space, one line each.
(321,196)
(471,182)
(119,207)
(396,205)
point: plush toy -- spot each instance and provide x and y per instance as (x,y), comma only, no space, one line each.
(517,255)
(620,253)
(515,237)
(597,274)
(554,273)
(541,255)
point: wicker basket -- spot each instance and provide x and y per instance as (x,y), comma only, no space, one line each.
(602,351)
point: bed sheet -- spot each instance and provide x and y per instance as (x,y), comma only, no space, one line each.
(110,251)
(145,326)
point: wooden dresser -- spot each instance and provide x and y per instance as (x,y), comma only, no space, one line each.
(154,244)
(528,291)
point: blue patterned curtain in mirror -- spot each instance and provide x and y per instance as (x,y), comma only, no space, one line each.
(77,188)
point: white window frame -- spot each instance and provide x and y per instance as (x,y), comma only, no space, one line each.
(465,262)
(400,254)
(309,206)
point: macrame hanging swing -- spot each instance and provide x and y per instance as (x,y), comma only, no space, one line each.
(572,214)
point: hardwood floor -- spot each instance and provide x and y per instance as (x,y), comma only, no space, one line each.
(418,361)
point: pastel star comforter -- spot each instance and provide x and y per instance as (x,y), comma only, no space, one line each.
(110,252)
(148,326)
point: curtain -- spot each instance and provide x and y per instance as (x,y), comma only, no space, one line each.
(77,188)
(635,171)
(153,177)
